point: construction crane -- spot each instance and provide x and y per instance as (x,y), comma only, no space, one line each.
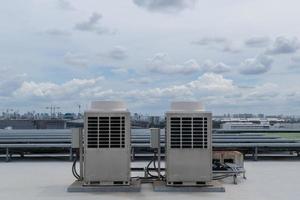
(52,110)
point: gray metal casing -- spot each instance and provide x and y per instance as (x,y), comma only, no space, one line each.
(75,138)
(188,166)
(107,166)
(155,138)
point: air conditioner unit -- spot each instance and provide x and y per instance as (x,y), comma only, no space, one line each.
(188,144)
(106,144)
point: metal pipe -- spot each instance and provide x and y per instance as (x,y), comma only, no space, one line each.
(81,153)
(158,158)
(7,154)
(255,153)
(71,153)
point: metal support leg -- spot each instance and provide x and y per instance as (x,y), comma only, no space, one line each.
(132,154)
(235,179)
(158,162)
(7,154)
(81,153)
(145,173)
(244,175)
(71,154)
(255,153)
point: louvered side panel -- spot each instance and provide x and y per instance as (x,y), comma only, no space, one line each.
(186,132)
(116,132)
(92,132)
(175,124)
(189,132)
(104,132)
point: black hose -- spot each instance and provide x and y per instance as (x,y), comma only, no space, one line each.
(224,166)
(74,172)
(147,168)
(155,158)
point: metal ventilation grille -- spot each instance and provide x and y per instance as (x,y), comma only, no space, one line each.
(106,132)
(189,132)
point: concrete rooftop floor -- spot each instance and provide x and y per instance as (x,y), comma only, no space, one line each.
(50,179)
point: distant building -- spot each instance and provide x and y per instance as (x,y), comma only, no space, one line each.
(32,124)
(244,126)
(69,116)
(154,120)
(261,115)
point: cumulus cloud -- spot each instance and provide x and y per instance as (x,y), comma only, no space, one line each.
(258,65)
(208,84)
(283,45)
(161,63)
(57,32)
(9,81)
(212,82)
(210,40)
(65,5)
(120,71)
(51,90)
(210,66)
(295,59)
(211,88)
(295,63)
(76,59)
(118,53)
(231,48)
(262,92)
(257,41)
(218,43)
(93,25)
(165,5)
(142,80)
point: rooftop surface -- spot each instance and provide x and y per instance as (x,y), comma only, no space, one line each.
(49,180)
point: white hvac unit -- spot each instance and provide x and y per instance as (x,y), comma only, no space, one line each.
(188,144)
(106,144)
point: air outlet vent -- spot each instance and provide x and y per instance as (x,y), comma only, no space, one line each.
(188,132)
(106,132)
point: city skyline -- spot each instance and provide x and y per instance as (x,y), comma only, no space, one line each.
(235,57)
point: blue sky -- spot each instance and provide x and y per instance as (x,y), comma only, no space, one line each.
(234,56)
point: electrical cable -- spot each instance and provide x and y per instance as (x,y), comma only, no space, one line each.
(219,166)
(74,172)
(156,158)
(147,168)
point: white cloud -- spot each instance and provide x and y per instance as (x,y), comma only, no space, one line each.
(208,84)
(93,25)
(258,65)
(210,41)
(231,48)
(210,66)
(262,92)
(9,81)
(165,5)
(257,41)
(212,82)
(161,63)
(218,43)
(57,32)
(65,5)
(141,80)
(283,45)
(76,60)
(295,63)
(213,89)
(118,53)
(121,71)
(50,90)
(295,59)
